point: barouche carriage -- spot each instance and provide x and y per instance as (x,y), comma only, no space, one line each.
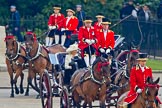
(48,64)
(52,84)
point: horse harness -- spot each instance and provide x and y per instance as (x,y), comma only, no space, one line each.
(92,78)
(37,55)
(15,60)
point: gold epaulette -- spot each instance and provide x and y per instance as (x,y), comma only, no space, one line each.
(73,17)
(92,27)
(101,30)
(147,67)
(53,14)
(137,67)
(110,31)
(59,14)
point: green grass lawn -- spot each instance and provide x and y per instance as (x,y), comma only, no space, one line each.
(155,64)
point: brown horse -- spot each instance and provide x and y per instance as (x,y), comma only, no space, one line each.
(122,78)
(38,57)
(15,60)
(146,99)
(91,84)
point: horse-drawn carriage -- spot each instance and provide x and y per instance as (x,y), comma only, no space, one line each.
(86,84)
(71,95)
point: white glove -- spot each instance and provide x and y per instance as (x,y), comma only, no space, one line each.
(102,50)
(93,41)
(62,29)
(52,27)
(88,41)
(108,50)
(139,91)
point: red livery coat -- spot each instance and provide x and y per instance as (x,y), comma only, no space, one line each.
(85,34)
(72,24)
(56,20)
(109,42)
(97,27)
(137,79)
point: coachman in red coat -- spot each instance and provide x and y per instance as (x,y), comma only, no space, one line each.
(55,23)
(138,77)
(87,41)
(69,26)
(105,38)
(98,24)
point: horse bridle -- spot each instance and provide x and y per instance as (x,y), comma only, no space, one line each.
(11,58)
(104,77)
(146,100)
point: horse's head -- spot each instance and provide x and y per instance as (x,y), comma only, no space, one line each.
(101,68)
(29,38)
(11,45)
(150,92)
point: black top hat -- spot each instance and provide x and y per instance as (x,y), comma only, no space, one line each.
(106,21)
(88,19)
(100,15)
(57,6)
(70,9)
(142,56)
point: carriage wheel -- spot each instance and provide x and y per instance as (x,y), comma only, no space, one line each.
(45,91)
(64,99)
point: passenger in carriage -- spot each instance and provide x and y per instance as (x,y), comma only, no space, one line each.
(73,61)
(98,24)
(138,77)
(87,41)
(69,26)
(55,23)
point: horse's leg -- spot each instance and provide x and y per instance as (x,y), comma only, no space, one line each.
(85,103)
(12,83)
(21,83)
(76,99)
(30,78)
(27,90)
(18,73)
(102,102)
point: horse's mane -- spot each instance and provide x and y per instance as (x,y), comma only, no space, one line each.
(96,61)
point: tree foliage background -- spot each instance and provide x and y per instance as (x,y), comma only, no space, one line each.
(35,13)
(43,8)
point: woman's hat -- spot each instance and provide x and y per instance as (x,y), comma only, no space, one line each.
(100,15)
(72,47)
(88,19)
(142,56)
(106,21)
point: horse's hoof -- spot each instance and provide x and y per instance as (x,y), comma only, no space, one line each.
(17,91)
(26,94)
(21,91)
(38,97)
(12,96)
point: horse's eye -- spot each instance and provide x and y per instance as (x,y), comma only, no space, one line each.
(13,43)
(6,43)
(147,92)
